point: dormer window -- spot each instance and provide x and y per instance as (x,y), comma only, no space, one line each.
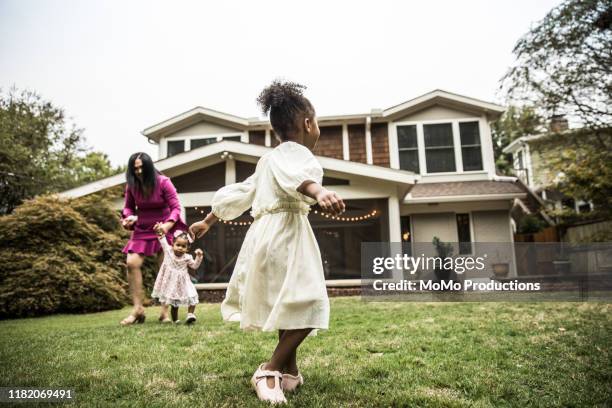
(175,147)
(439,148)
(470,146)
(408,148)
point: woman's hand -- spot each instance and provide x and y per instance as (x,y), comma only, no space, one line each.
(158,229)
(128,222)
(329,201)
(166,226)
(197,229)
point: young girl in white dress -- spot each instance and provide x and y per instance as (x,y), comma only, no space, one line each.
(278,281)
(173,285)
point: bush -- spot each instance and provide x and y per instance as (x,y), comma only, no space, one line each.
(531,224)
(62,256)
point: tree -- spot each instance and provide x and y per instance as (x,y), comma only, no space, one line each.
(564,63)
(40,152)
(582,160)
(514,123)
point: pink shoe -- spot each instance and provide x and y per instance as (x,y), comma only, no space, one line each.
(264,393)
(291,382)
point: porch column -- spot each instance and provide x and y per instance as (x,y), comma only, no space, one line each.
(395,230)
(268,141)
(230,171)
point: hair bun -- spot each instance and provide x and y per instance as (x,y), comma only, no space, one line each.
(279,93)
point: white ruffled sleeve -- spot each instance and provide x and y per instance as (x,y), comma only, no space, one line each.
(292,164)
(231,201)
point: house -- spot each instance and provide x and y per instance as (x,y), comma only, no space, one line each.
(407,173)
(530,163)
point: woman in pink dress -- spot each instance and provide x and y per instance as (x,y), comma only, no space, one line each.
(150,198)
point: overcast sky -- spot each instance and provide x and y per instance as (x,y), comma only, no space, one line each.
(117,67)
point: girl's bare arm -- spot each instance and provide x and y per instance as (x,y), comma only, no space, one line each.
(328,200)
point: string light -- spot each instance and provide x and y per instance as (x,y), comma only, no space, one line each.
(347,219)
(371,214)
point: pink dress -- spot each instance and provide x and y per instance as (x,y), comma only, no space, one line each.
(173,285)
(161,206)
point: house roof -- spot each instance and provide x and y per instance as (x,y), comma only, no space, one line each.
(436,97)
(465,191)
(517,143)
(211,154)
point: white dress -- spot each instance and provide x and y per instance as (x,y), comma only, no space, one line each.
(173,285)
(278,281)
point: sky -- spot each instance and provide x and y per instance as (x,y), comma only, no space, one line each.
(118,67)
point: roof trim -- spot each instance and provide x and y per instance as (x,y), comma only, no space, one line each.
(436,96)
(400,177)
(463,198)
(517,143)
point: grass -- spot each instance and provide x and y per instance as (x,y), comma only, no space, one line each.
(376,354)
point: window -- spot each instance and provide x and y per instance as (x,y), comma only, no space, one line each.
(406,235)
(408,148)
(232,138)
(439,148)
(175,147)
(195,143)
(470,146)
(464,234)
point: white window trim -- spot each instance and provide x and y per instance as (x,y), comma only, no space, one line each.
(394,143)
(244,137)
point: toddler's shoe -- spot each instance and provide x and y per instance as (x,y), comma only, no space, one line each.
(291,382)
(191,318)
(264,393)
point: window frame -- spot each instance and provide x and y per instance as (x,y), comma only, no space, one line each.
(416,148)
(457,148)
(244,138)
(479,145)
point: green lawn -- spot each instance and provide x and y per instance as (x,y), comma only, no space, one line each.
(376,354)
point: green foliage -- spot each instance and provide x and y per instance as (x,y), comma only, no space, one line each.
(583,165)
(531,224)
(40,152)
(443,249)
(62,256)
(564,63)
(514,123)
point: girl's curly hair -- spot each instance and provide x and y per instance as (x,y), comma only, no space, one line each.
(286,105)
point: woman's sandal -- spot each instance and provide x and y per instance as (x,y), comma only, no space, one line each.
(164,319)
(132,319)
(264,393)
(290,382)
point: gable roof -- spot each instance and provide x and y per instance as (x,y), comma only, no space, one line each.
(210,154)
(519,142)
(465,191)
(435,97)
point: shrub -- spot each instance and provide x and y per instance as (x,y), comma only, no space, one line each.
(531,224)
(62,256)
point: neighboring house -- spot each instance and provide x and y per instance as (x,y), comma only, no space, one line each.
(420,169)
(530,162)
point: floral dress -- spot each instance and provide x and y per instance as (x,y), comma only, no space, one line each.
(278,281)
(173,285)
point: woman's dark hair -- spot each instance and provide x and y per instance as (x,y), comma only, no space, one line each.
(286,105)
(149,174)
